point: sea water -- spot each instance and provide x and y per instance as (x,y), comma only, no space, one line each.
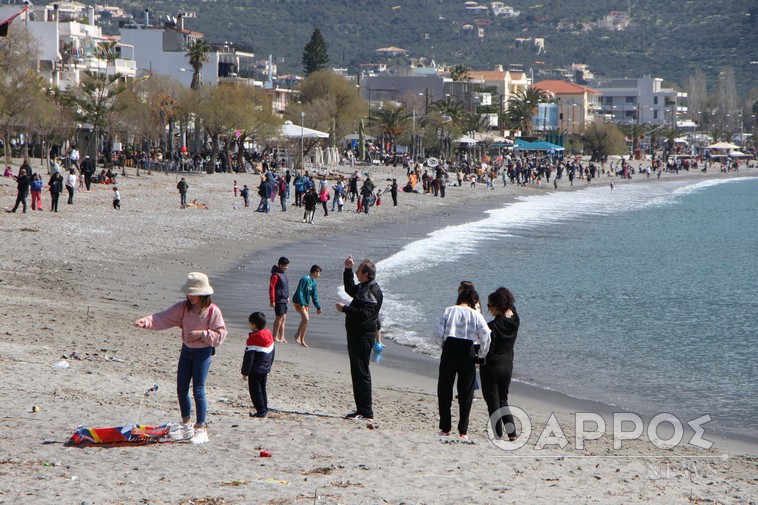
(644,296)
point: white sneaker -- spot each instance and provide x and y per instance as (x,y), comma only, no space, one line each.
(200,436)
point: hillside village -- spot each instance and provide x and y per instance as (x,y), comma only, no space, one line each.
(71,33)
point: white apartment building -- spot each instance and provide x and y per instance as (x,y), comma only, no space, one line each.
(640,100)
(70,48)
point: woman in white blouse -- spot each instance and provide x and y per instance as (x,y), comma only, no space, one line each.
(464,336)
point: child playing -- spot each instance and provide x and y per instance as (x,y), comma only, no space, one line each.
(236,189)
(245,194)
(36,187)
(259,356)
(203,329)
(116,198)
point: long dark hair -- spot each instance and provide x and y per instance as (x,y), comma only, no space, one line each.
(468,296)
(502,299)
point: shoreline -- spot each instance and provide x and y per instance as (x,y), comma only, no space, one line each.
(79,279)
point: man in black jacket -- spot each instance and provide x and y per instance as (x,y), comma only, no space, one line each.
(361,319)
(88,168)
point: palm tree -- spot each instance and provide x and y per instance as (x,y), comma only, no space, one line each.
(449,109)
(390,123)
(460,73)
(197,52)
(523,106)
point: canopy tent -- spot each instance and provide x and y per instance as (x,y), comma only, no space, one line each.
(738,154)
(539,145)
(722,145)
(290,130)
(465,139)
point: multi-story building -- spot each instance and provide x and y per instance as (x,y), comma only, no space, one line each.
(640,100)
(577,104)
(68,49)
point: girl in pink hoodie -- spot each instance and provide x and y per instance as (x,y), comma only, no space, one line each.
(203,329)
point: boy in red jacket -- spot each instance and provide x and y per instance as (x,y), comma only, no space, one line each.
(259,357)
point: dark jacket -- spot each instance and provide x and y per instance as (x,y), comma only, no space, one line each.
(182,187)
(264,190)
(56,183)
(310,200)
(279,289)
(368,188)
(503,338)
(88,166)
(362,315)
(259,353)
(22,184)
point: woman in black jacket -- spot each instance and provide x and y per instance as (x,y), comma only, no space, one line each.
(498,368)
(56,187)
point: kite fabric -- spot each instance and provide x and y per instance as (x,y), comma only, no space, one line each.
(128,434)
(5,25)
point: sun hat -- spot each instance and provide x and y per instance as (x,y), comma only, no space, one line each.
(197,285)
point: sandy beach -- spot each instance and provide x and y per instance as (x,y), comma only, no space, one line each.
(75,281)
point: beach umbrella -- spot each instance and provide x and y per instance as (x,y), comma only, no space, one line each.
(723,145)
(290,130)
(361,141)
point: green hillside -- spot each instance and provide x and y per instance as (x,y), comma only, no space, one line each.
(666,39)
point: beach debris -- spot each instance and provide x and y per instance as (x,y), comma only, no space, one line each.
(35,408)
(322,470)
(235,482)
(264,454)
(274,481)
(62,364)
(345,483)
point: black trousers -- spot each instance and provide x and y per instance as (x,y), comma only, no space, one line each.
(456,360)
(20,200)
(70,195)
(54,201)
(256,383)
(496,380)
(359,350)
(87,180)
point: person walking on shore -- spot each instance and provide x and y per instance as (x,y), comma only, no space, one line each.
(305,293)
(361,318)
(393,192)
(367,193)
(22,190)
(116,198)
(203,329)
(464,336)
(182,186)
(279,297)
(497,369)
(56,188)
(70,185)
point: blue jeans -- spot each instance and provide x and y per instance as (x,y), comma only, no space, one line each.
(263,206)
(193,367)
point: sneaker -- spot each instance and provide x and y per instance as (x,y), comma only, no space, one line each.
(355,416)
(443,434)
(187,431)
(200,436)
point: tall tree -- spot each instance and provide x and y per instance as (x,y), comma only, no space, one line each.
(328,98)
(523,106)
(197,52)
(697,96)
(95,99)
(19,82)
(315,57)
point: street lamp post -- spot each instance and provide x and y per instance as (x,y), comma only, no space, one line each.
(302,122)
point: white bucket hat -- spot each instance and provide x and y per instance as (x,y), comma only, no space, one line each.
(197,285)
